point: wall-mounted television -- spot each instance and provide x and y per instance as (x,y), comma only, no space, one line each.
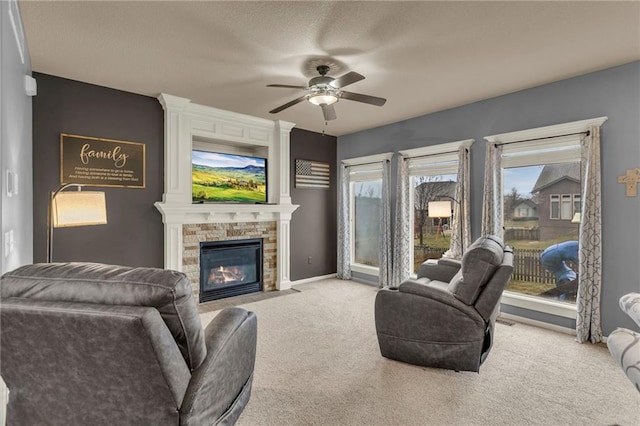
(220,177)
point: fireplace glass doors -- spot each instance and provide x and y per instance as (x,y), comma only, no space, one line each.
(230,268)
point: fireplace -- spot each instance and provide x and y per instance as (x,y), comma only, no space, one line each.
(230,268)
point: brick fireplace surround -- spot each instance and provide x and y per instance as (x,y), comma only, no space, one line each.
(194,234)
(189,126)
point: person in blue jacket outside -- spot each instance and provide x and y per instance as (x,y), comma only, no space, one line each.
(554,258)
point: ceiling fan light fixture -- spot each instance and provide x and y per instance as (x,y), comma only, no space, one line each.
(323,99)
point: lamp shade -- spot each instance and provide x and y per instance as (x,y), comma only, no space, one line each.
(576,218)
(439,208)
(79,208)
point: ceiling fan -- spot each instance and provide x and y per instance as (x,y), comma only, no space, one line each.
(324,91)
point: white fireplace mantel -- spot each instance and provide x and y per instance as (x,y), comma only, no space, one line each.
(223,213)
(185,123)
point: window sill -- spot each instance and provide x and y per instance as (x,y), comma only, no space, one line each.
(365,269)
(551,307)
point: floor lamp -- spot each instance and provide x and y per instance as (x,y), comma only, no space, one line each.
(74,208)
(439,209)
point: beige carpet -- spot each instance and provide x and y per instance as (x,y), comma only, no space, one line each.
(318,363)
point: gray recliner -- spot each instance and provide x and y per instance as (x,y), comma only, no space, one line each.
(445,317)
(93,344)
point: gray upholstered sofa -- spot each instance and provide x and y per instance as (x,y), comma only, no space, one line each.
(445,318)
(93,344)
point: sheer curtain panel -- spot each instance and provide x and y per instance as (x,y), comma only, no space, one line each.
(492,193)
(402,231)
(386,257)
(344,227)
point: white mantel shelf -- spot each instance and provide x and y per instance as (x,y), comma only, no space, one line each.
(178,213)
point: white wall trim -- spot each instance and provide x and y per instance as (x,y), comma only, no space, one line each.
(436,149)
(547,131)
(368,159)
(550,307)
(365,269)
(537,323)
(313,279)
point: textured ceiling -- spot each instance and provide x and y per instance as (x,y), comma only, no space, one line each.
(421,56)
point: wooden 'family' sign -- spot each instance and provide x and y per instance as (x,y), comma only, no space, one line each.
(101,162)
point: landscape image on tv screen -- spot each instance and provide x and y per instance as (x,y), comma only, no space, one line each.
(228,178)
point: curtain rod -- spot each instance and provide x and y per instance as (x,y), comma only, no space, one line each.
(431,155)
(587,133)
(366,164)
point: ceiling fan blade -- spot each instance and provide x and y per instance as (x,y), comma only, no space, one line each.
(286,86)
(347,79)
(288,104)
(367,99)
(329,112)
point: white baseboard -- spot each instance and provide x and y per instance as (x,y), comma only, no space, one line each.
(312,279)
(537,323)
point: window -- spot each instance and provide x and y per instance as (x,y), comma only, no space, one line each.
(432,178)
(555,206)
(545,247)
(365,205)
(366,202)
(550,156)
(565,206)
(576,204)
(545,173)
(431,234)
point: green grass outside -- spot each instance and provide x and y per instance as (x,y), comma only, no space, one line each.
(227,194)
(430,240)
(526,287)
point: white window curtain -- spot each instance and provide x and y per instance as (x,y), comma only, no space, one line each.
(402,231)
(588,327)
(344,230)
(461,226)
(385,268)
(491,195)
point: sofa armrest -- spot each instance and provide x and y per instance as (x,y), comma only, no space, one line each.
(630,305)
(438,292)
(438,271)
(227,370)
(446,261)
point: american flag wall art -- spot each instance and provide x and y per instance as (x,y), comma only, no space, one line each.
(312,174)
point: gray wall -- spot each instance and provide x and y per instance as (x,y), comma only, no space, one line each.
(313,224)
(15,146)
(614,92)
(133,235)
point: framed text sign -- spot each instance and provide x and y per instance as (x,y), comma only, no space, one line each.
(101,162)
